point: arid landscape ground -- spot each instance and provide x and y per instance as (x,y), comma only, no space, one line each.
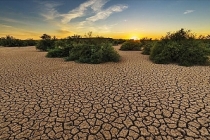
(48,98)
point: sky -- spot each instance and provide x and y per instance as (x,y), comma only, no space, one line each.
(126,19)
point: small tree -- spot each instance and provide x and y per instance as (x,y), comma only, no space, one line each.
(45,37)
(89,34)
(45,43)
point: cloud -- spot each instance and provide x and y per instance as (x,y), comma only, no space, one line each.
(50,10)
(82,24)
(80,11)
(102,28)
(107,12)
(188,11)
(11,20)
(5,26)
(87,13)
(63,31)
(96,7)
(105,28)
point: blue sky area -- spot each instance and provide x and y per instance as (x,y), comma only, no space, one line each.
(109,18)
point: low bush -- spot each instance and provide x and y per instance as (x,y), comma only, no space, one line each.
(147,47)
(164,53)
(118,41)
(62,49)
(56,52)
(94,54)
(46,43)
(10,41)
(194,53)
(147,44)
(131,46)
(180,47)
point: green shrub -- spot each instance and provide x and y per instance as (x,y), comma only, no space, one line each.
(118,41)
(180,47)
(65,45)
(76,52)
(94,54)
(147,44)
(131,46)
(62,49)
(46,43)
(109,54)
(164,53)
(10,41)
(29,42)
(194,53)
(56,52)
(146,48)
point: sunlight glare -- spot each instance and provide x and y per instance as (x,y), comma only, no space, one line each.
(134,38)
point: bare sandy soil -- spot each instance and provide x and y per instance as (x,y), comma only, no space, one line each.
(45,98)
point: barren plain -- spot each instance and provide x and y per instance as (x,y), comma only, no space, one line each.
(48,98)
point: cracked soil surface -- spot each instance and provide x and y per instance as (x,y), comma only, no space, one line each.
(48,98)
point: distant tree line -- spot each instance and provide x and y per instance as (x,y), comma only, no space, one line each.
(10,41)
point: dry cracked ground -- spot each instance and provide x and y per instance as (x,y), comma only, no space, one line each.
(45,98)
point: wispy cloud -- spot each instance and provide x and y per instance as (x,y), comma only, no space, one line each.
(86,14)
(106,28)
(90,7)
(10,20)
(102,28)
(77,12)
(103,14)
(50,10)
(5,26)
(83,23)
(63,31)
(98,5)
(188,11)
(20,32)
(80,11)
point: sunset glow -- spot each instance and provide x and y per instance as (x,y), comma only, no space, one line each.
(134,38)
(128,19)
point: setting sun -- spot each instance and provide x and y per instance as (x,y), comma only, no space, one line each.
(134,38)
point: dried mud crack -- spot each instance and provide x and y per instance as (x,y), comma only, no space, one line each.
(44,98)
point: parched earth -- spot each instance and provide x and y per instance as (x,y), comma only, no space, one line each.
(47,98)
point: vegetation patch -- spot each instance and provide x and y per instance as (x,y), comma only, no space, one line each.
(46,43)
(131,45)
(182,48)
(61,49)
(147,44)
(94,54)
(10,41)
(84,50)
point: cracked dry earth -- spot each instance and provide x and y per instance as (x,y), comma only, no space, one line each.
(45,98)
